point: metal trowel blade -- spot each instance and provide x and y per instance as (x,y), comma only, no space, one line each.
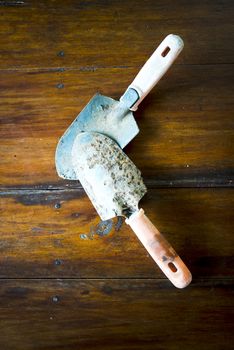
(103,115)
(111,180)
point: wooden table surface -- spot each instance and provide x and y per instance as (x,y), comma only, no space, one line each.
(67,280)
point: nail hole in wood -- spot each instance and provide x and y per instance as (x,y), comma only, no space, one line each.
(172,267)
(60,86)
(61,54)
(165,52)
(57,262)
(55,299)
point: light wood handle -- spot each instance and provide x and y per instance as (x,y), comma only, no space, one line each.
(156,66)
(160,250)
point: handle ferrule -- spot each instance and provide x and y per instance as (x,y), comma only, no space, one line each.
(156,67)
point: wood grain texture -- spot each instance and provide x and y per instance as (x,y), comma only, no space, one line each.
(41,235)
(115,314)
(68,281)
(112,33)
(186,125)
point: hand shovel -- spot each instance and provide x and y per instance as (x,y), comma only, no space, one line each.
(115,186)
(114,118)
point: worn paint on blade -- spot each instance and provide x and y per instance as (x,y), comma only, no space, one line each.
(104,115)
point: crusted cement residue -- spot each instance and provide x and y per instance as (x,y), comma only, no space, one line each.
(109,177)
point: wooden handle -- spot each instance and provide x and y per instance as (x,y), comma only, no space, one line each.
(160,250)
(156,66)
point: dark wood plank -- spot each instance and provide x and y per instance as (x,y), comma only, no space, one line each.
(68,281)
(115,33)
(186,125)
(55,234)
(115,314)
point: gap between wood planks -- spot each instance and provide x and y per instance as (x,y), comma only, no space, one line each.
(12,3)
(150,184)
(196,282)
(96,67)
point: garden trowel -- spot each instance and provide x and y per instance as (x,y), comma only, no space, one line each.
(115,186)
(115,118)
